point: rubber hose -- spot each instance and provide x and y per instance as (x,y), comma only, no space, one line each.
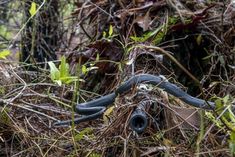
(139,120)
(95,108)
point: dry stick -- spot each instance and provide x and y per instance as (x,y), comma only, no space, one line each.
(48,107)
(6,102)
(53,144)
(100,9)
(22,81)
(26,107)
(173,59)
(24,25)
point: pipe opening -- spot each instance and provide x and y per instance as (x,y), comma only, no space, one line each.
(138,122)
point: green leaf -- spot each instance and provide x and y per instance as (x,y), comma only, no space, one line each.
(5,32)
(84,69)
(232,143)
(97,57)
(199,39)
(4,116)
(106,114)
(33,9)
(146,36)
(54,72)
(173,20)
(69,79)
(218,103)
(231,115)
(210,116)
(64,68)
(226,99)
(95,155)
(4,54)
(104,34)
(158,37)
(208,57)
(110,30)
(81,134)
(62,74)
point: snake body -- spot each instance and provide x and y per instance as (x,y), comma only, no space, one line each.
(95,108)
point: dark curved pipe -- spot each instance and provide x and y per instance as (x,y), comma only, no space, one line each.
(168,87)
(81,119)
(90,107)
(95,108)
(139,120)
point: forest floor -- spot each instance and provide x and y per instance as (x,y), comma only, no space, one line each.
(189,43)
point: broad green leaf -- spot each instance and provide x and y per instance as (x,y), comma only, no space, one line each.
(64,68)
(110,30)
(62,74)
(54,72)
(33,9)
(4,54)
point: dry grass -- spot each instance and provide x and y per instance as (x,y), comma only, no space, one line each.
(30,102)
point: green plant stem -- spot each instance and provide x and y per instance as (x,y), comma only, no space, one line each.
(75,99)
(33,43)
(201,133)
(24,25)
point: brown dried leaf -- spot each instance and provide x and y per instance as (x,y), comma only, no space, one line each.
(144,21)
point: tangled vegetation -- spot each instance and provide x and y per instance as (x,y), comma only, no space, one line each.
(55,54)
